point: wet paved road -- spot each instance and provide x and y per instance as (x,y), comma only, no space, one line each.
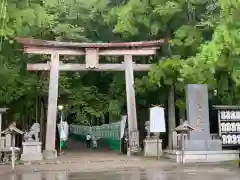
(91,165)
(154,173)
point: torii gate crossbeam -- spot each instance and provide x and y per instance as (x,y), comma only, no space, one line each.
(91,51)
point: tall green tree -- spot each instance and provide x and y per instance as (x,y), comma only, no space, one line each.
(202,48)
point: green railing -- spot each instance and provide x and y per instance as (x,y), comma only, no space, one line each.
(108,134)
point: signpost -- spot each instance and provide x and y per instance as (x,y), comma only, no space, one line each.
(157,123)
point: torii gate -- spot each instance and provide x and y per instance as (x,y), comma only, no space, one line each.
(91,51)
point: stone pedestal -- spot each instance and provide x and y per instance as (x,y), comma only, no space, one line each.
(203,145)
(150,147)
(32,151)
(201,156)
(50,154)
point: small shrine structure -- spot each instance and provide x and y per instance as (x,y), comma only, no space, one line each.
(12,130)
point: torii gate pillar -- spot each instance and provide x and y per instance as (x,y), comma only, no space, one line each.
(50,151)
(131,104)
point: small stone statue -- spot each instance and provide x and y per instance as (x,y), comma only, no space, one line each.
(147,128)
(13,124)
(34,132)
(27,137)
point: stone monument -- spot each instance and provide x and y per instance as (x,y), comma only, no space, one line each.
(198,117)
(199,146)
(32,148)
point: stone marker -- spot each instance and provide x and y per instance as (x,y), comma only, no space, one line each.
(198,117)
(198,111)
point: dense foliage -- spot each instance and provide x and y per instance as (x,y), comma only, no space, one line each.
(203,48)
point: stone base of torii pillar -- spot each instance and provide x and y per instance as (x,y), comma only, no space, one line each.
(50,154)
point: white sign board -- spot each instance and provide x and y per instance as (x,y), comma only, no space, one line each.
(157,120)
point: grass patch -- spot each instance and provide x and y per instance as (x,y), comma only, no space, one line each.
(235,162)
(232,162)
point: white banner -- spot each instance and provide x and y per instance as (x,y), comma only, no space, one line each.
(123,123)
(157,119)
(63,130)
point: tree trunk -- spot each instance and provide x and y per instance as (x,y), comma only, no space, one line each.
(171,116)
(182,115)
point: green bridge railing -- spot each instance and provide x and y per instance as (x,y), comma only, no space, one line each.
(109,134)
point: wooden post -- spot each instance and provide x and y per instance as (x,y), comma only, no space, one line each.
(2,110)
(13,151)
(50,151)
(0,125)
(158,156)
(131,102)
(42,124)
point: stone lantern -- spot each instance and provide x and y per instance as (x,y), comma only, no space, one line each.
(183,129)
(12,130)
